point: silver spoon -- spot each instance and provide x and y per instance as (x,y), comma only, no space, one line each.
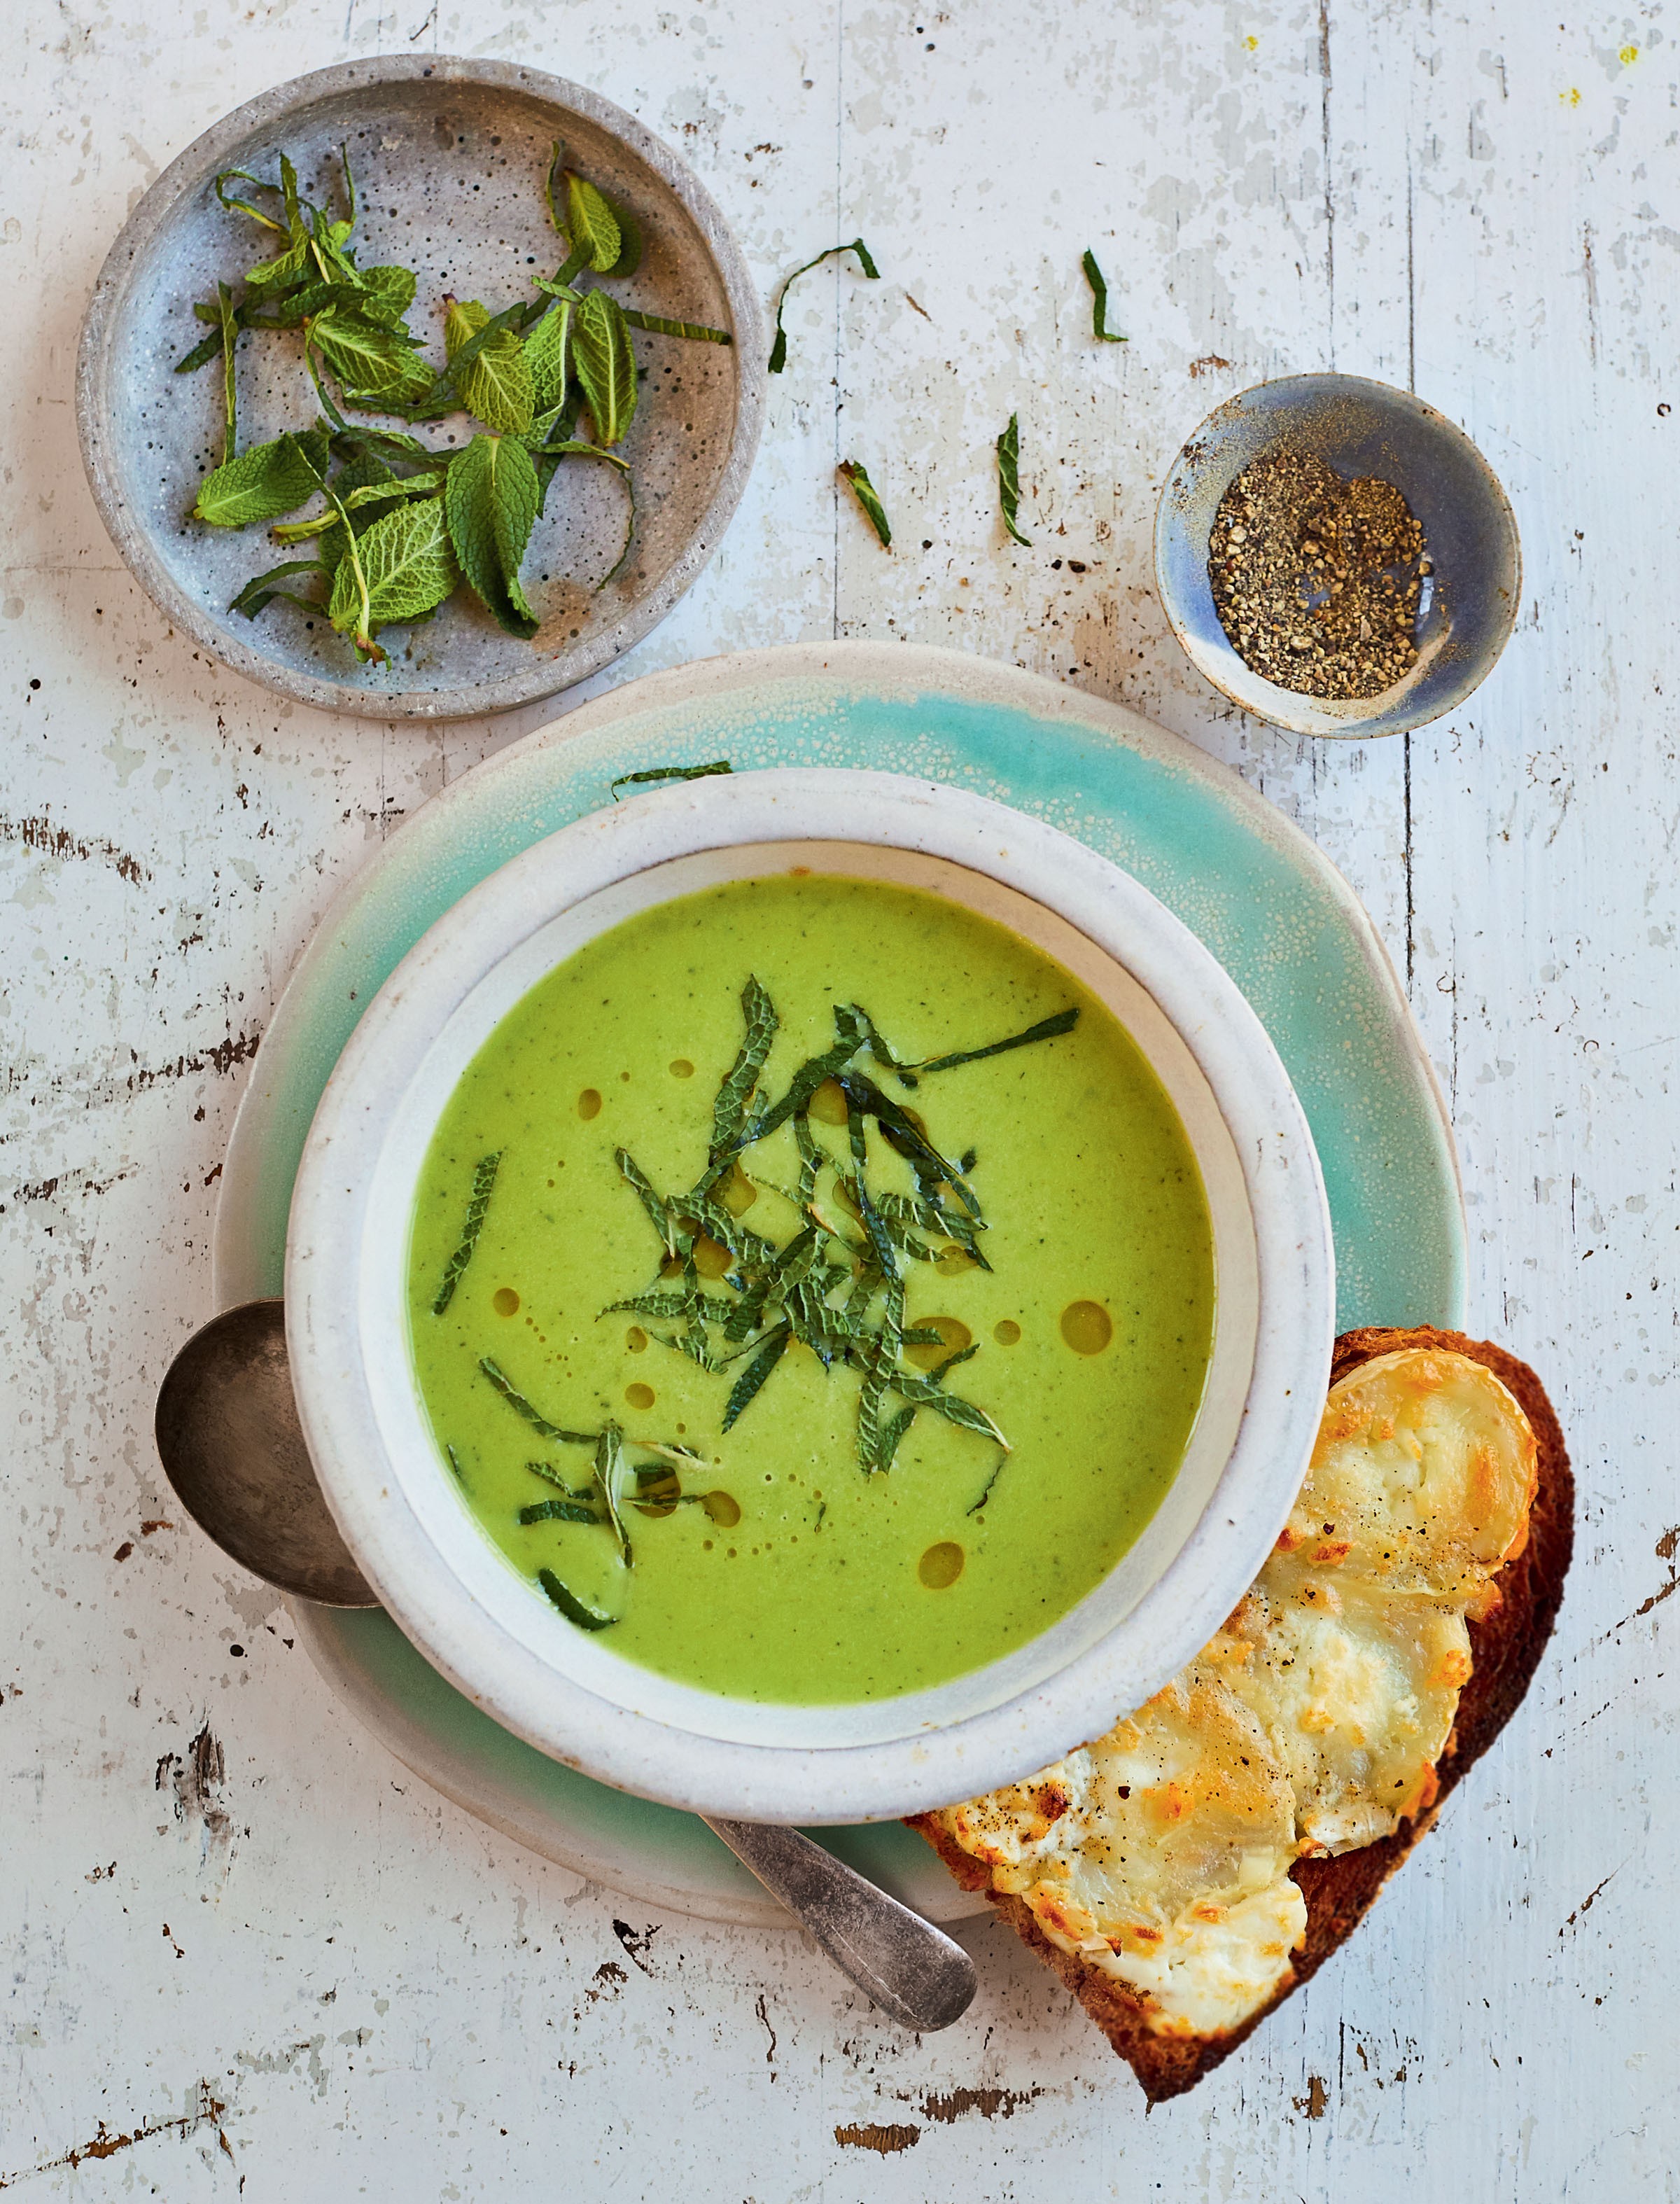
(231,1446)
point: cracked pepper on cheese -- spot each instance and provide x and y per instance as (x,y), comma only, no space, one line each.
(1159,1854)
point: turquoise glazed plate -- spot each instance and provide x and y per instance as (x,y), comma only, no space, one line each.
(1276,914)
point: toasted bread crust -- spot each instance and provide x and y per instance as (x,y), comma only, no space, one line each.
(1505,1646)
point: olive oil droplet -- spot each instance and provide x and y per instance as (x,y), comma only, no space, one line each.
(1087,1327)
(639,1396)
(941,1566)
(711,1258)
(828,1104)
(506,1302)
(1008,1333)
(589,1103)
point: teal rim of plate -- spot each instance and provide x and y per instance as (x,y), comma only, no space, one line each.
(1242,877)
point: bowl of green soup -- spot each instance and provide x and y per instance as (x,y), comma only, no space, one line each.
(809,1292)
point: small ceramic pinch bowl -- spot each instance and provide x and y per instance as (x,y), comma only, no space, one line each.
(1468,604)
(450,157)
(484,1626)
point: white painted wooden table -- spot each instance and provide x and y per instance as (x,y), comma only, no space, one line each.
(245,1952)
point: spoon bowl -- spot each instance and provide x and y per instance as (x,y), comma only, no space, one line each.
(230,1443)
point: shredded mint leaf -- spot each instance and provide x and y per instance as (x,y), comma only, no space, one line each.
(752,1378)
(605,365)
(609,1472)
(491,500)
(985,1489)
(559,1511)
(1046,1029)
(662,327)
(731,1106)
(864,492)
(586,1618)
(778,350)
(1099,301)
(892,1433)
(263,482)
(668,773)
(1009,477)
(521,1406)
(402,568)
(483,1185)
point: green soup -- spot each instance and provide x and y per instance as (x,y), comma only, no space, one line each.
(766,1559)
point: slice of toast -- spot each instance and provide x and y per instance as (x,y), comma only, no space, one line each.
(1505,1647)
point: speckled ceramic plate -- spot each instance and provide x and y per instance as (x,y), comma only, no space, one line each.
(450,158)
(1276,914)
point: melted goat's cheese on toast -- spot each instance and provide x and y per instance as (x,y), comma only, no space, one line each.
(1160,1853)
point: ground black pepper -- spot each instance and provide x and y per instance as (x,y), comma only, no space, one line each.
(1315,578)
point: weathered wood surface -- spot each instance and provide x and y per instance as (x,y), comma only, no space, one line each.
(245,1953)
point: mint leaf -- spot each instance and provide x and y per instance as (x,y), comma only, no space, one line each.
(207,348)
(778,350)
(863,490)
(418,395)
(262,589)
(390,291)
(232,202)
(605,365)
(488,367)
(263,482)
(592,223)
(370,360)
(388,444)
(548,457)
(631,244)
(462,321)
(353,496)
(400,570)
(548,356)
(230,337)
(496,385)
(269,278)
(490,501)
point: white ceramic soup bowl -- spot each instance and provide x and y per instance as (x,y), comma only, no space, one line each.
(486,1626)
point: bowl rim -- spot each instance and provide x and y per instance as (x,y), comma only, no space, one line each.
(624,1746)
(206,156)
(1303,715)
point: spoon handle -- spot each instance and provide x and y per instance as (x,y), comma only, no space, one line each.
(912,1970)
